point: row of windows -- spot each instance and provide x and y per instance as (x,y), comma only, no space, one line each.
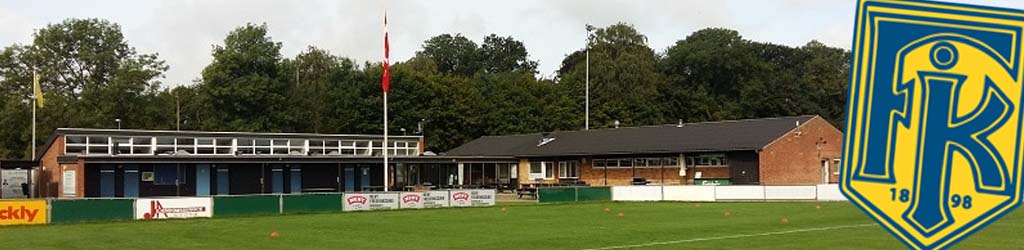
(648,162)
(545,170)
(103,145)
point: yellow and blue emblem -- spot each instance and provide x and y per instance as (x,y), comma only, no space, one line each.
(933,139)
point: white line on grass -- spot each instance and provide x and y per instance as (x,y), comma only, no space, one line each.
(732,237)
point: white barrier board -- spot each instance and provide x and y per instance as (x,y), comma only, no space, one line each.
(481,197)
(173,208)
(790,192)
(369,201)
(689,193)
(636,193)
(432,199)
(410,200)
(460,198)
(739,192)
(830,192)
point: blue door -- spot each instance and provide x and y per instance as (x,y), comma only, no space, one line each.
(107,181)
(296,180)
(350,179)
(223,183)
(203,180)
(365,182)
(131,181)
(277,180)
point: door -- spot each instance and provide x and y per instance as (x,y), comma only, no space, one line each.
(350,179)
(824,171)
(365,181)
(296,180)
(203,180)
(107,181)
(131,181)
(223,184)
(277,180)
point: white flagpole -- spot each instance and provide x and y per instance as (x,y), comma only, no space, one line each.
(386,176)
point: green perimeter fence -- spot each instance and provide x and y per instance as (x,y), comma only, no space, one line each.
(90,210)
(573,194)
(311,203)
(62,211)
(243,205)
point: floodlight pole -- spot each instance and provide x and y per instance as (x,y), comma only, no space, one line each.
(587,99)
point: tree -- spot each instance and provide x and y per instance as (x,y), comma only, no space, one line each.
(85,66)
(309,78)
(453,54)
(625,82)
(505,54)
(242,84)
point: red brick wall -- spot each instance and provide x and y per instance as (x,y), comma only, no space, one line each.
(49,182)
(795,158)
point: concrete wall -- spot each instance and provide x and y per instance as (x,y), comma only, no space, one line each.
(795,158)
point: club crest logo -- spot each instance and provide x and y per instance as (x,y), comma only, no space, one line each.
(932,149)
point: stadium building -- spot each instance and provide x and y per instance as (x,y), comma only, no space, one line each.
(800,150)
(145,163)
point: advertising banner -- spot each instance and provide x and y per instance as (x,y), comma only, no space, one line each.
(173,208)
(432,199)
(460,198)
(20,212)
(411,200)
(481,197)
(14,184)
(370,201)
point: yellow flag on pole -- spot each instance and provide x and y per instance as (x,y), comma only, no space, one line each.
(37,90)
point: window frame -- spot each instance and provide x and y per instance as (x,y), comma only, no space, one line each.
(567,167)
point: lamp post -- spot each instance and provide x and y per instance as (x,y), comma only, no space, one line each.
(118,120)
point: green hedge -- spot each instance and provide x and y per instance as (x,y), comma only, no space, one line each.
(310,203)
(246,205)
(556,194)
(71,211)
(594,194)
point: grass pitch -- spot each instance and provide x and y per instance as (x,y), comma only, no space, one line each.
(661,225)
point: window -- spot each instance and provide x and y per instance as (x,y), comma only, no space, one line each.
(549,170)
(165,175)
(568,169)
(75,145)
(165,145)
(835,165)
(541,170)
(296,147)
(599,163)
(142,145)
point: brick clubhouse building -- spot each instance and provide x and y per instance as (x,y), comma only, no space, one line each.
(145,163)
(799,150)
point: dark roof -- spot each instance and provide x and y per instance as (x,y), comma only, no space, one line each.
(733,135)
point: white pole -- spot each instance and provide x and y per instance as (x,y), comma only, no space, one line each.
(587,120)
(386,177)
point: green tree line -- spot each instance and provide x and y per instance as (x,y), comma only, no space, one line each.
(453,90)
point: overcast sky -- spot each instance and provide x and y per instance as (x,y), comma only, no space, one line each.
(182,32)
